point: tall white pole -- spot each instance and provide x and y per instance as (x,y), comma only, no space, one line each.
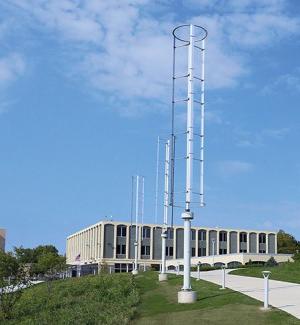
(188,215)
(202,102)
(135,270)
(163,275)
(156,179)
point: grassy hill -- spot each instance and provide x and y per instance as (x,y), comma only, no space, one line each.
(289,272)
(122,299)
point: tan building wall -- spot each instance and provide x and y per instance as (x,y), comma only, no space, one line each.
(2,239)
(104,243)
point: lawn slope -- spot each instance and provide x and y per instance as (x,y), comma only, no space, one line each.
(288,272)
(214,306)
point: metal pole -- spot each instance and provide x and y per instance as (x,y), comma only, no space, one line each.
(136,226)
(156,179)
(187,215)
(163,275)
(202,102)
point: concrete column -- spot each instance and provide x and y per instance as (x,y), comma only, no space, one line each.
(174,243)
(218,242)
(151,242)
(248,242)
(228,243)
(207,242)
(267,243)
(102,240)
(238,242)
(115,242)
(276,243)
(127,242)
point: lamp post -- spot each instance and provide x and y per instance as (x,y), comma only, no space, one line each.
(266,275)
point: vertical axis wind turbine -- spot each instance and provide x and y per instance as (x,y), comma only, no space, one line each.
(195,41)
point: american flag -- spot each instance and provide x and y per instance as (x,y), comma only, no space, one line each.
(77,258)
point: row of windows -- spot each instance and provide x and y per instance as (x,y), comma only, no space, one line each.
(146,233)
(145,250)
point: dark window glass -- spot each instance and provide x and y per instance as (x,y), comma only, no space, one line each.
(121,249)
(262,238)
(193,251)
(145,250)
(193,234)
(146,232)
(171,251)
(243,237)
(121,231)
(202,235)
(222,251)
(202,251)
(170,233)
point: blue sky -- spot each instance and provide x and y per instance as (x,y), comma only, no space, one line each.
(85,91)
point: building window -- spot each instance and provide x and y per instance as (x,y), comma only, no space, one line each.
(243,250)
(193,251)
(170,233)
(169,251)
(202,235)
(121,249)
(202,251)
(146,232)
(145,250)
(222,251)
(262,251)
(121,231)
(262,238)
(223,236)
(243,237)
(193,234)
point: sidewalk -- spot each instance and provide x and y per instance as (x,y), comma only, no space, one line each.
(283,295)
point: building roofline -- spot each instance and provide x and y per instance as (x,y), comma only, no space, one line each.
(175,226)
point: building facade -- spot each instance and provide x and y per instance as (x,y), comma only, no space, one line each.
(2,239)
(112,244)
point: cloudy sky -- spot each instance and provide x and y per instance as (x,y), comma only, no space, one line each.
(85,89)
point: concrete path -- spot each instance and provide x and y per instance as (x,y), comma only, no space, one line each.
(283,295)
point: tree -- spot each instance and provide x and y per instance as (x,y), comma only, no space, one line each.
(49,265)
(13,280)
(286,243)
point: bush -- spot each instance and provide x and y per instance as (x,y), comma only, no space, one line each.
(271,262)
(104,299)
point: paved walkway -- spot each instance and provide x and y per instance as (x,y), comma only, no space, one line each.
(283,295)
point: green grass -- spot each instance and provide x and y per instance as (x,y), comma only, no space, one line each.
(101,299)
(289,272)
(214,306)
(122,299)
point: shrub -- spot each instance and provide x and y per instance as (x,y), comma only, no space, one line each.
(271,262)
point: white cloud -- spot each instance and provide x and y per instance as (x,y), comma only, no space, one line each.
(11,67)
(288,81)
(230,168)
(256,139)
(124,52)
